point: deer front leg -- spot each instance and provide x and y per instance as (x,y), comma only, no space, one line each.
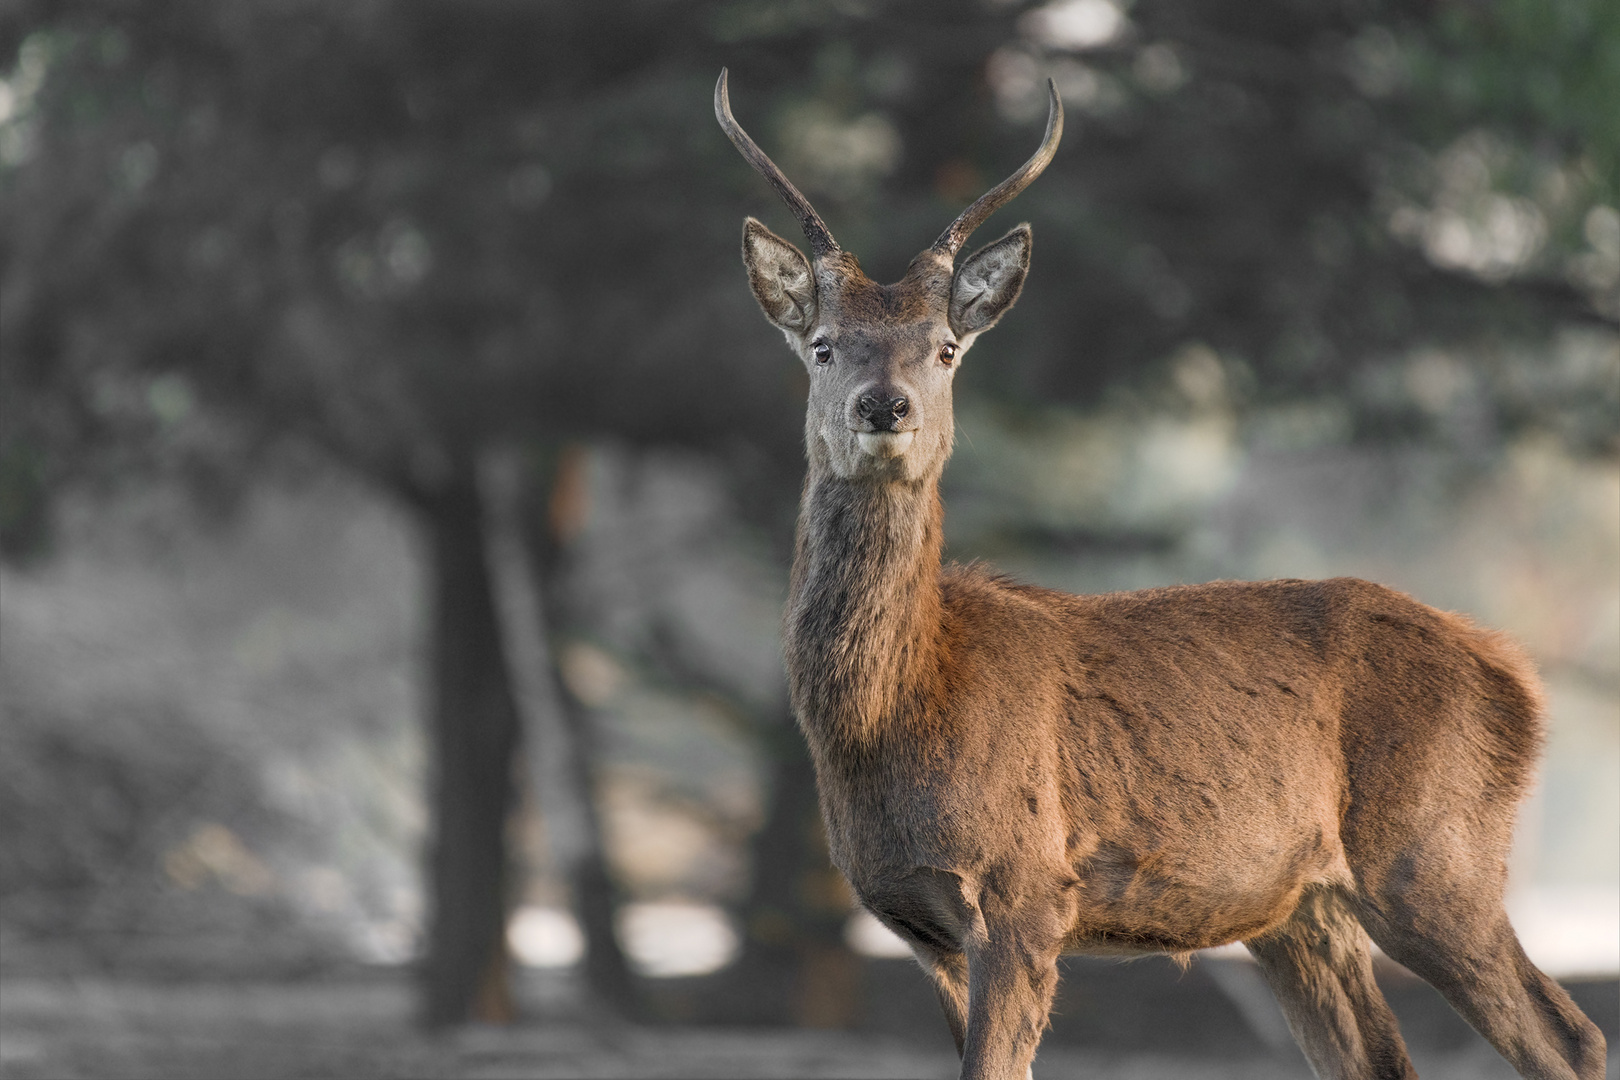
(1012,977)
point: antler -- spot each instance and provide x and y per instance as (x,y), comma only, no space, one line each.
(951,240)
(815,230)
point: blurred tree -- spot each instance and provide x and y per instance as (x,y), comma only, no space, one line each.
(555,511)
(402,233)
(232,226)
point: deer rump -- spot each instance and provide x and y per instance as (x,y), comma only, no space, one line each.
(1170,770)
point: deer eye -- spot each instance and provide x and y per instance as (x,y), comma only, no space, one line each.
(947,352)
(823,352)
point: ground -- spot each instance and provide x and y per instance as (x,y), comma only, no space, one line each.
(358,1026)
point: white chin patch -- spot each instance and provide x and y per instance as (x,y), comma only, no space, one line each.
(884,444)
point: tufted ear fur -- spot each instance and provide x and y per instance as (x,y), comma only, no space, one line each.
(986,284)
(780,277)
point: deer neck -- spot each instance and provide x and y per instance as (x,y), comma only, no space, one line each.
(863,619)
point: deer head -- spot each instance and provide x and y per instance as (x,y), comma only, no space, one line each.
(882,357)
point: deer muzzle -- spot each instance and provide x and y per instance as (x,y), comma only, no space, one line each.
(884,410)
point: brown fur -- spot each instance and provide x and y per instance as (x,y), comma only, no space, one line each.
(1009,773)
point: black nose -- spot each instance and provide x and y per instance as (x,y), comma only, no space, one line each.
(881,412)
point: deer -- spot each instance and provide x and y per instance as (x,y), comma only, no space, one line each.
(1008,774)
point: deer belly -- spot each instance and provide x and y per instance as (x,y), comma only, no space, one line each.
(1133,901)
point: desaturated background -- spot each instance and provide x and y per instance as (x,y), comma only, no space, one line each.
(397,479)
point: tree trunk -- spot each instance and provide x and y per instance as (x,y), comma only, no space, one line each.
(596,895)
(475,731)
(794,919)
(557,516)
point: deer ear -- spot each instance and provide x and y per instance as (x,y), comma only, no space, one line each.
(989,281)
(780,277)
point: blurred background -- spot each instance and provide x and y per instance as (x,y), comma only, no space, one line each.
(397,484)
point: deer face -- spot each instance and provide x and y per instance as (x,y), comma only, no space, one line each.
(881,358)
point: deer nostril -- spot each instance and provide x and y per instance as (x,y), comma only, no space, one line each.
(880,411)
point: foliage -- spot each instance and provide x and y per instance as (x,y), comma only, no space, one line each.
(233,224)
(1547,74)
(400,229)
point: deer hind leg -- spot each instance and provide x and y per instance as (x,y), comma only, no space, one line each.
(950,974)
(1318,963)
(1459,940)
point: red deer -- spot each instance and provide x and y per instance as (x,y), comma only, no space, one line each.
(1009,773)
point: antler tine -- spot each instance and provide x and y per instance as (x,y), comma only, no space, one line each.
(815,230)
(951,240)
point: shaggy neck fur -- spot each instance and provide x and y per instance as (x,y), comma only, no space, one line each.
(863,617)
